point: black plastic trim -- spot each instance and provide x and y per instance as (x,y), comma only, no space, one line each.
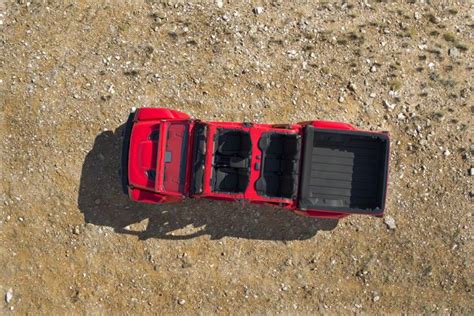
(199,155)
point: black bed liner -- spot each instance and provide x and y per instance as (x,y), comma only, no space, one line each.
(344,171)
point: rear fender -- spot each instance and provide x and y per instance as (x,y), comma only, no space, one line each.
(147,114)
(330,125)
(144,196)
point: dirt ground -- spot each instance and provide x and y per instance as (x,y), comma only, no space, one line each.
(72,243)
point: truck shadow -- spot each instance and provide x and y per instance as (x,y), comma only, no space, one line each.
(103,203)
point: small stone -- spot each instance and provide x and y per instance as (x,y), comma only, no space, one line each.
(9,296)
(76,96)
(97,202)
(352,87)
(373,68)
(181,301)
(76,230)
(435,19)
(417,15)
(390,222)
(388,105)
(401,116)
(292,54)
(341,99)
(219,3)
(258,10)
(472,172)
(372,95)
(446,153)
(376,298)
(453,52)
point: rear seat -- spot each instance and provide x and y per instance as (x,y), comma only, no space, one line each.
(280,165)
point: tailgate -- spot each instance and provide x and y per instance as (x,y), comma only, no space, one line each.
(344,171)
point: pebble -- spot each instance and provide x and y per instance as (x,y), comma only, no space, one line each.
(372,95)
(76,230)
(447,153)
(388,105)
(376,298)
(390,222)
(472,172)
(417,15)
(219,3)
(453,52)
(352,87)
(258,10)
(9,296)
(341,99)
(181,302)
(401,116)
(373,68)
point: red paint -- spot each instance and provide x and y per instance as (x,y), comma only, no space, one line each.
(157,131)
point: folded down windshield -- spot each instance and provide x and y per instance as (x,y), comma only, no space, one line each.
(174,158)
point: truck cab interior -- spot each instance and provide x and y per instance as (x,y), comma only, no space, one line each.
(280,165)
(231,164)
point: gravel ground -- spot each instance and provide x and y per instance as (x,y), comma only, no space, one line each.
(72,243)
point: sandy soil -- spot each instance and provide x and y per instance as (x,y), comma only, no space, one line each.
(72,243)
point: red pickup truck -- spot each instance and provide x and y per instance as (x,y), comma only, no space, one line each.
(319,168)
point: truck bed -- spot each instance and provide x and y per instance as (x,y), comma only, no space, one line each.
(344,171)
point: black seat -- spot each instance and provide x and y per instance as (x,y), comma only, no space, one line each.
(231,165)
(280,165)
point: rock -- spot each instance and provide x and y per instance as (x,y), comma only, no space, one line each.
(401,116)
(351,86)
(390,222)
(76,230)
(417,15)
(258,10)
(453,52)
(435,19)
(292,54)
(471,172)
(341,99)
(181,301)
(97,202)
(446,153)
(373,68)
(376,298)
(219,3)
(388,105)
(9,296)
(372,95)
